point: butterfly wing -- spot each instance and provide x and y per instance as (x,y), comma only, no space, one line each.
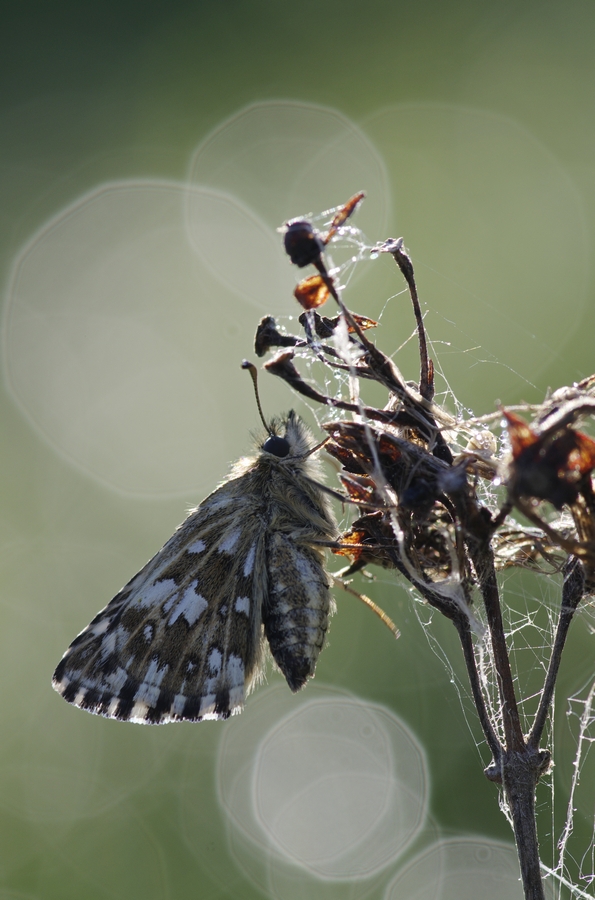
(183,639)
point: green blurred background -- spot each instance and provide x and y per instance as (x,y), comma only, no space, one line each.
(128,307)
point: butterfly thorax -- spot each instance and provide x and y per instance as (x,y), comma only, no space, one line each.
(297,604)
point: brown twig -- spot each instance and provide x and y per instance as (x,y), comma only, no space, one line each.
(397,250)
(572,592)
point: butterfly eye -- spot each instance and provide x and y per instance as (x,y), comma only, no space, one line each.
(276,445)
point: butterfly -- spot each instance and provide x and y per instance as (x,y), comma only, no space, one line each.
(186,638)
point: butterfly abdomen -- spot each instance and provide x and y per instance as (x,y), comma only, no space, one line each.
(296,611)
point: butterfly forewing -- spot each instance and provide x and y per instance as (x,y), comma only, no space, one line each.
(184,639)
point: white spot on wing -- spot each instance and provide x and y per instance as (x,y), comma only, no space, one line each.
(230,540)
(236,703)
(148,692)
(177,706)
(138,713)
(196,547)
(234,671)
(116,681)
(155,673)
(61,686)
(214,661)
(249,564)
(101,626)
(207,707)
(190,604)
(155,593)
(113,642)
(243,605)
(236,700)
(108,645)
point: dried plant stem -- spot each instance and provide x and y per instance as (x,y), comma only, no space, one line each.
(403,260)
(465,636)
(429,518)
(518,766)
(520,773)
(483,561)
(572,592)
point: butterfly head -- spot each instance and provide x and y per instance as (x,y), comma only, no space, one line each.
(288,438)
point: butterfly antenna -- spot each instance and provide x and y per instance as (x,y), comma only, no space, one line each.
(254,375)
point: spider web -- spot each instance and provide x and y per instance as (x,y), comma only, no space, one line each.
(530,591)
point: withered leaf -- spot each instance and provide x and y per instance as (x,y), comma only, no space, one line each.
(549,466)
(312,292)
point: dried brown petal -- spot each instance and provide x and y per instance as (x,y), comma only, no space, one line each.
(549,466)
(343,214)
(361,489)
(324,327)
(361,544)
(312,292)
(363,321)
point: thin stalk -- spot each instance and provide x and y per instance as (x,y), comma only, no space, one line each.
(464,632)
(483,560)
(572,592)
(403,260)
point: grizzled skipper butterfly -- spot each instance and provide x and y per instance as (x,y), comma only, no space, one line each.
(186,638)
